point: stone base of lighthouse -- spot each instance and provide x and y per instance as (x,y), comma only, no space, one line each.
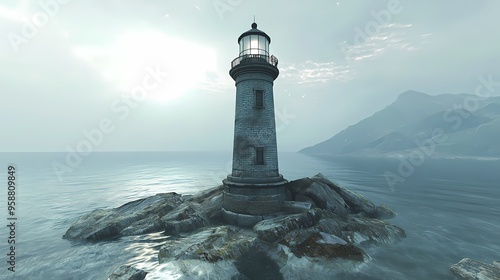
(246,201)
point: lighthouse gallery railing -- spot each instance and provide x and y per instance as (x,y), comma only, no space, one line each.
(255,58)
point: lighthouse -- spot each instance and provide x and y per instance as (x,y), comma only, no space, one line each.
(255,188)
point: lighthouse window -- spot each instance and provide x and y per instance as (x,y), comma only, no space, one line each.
(259,155)
(259,98)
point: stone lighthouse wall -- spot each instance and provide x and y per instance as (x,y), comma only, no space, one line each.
(254,127)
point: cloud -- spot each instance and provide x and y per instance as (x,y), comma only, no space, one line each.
(388,39)
(65,78)
(391,37)
(316,72)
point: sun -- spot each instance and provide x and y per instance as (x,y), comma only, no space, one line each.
(124,62)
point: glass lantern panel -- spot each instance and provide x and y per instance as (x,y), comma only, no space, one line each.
(267,46)
(254,44)
(244,45)
(241,45)
(263,45)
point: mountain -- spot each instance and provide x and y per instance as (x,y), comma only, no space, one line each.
(491,110)
(416,118)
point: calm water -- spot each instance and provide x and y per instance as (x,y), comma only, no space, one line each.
(449,209)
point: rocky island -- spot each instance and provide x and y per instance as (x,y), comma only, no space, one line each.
(321,228)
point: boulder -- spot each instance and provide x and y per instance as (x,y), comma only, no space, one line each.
(296,207)
(126,272)
(326,246)
(182,212)
(371,231)
(326,198)
(186,225)
(384,212)
(468,269)
(298,236)
(208,204)
(273,229)
(359,230)
(298,186)
(197,211)
(331,223)
(356,203)
(211,244)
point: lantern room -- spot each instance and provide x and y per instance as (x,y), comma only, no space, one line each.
(254,42)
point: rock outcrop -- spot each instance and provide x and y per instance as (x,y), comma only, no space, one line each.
(133,218)
(126,272)
(468,269)
(211,244)
(320,222)
(275,229)
(322,245)
(169,212)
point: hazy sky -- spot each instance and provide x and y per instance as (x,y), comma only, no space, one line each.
(72,67)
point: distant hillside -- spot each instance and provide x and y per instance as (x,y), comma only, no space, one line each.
(416,118)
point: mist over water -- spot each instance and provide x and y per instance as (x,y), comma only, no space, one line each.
(448,208)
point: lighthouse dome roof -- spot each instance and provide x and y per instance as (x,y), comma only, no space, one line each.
(254,31)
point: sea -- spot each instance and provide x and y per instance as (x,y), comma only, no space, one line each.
(449,208)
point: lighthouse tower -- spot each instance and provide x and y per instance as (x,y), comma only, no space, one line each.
(255,188)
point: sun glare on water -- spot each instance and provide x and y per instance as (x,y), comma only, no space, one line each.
(125,63)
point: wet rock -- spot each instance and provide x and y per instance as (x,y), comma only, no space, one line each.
(182,212)
(314,243)
(208,204)
(331,223)
(302,198)
(296,207)
(384,212)
(126,272)
(197,211)
(202,196)
(296,237)
(326,198)
(137,217)
(193,269)
(326,246)
(211,244)
(371,231)
(298,186)
(170,212)
(271,230)
(355,201)
(186,225)
(322,268)
(468,269)
(359,230)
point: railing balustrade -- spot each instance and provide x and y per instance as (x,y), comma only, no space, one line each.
(255,58)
